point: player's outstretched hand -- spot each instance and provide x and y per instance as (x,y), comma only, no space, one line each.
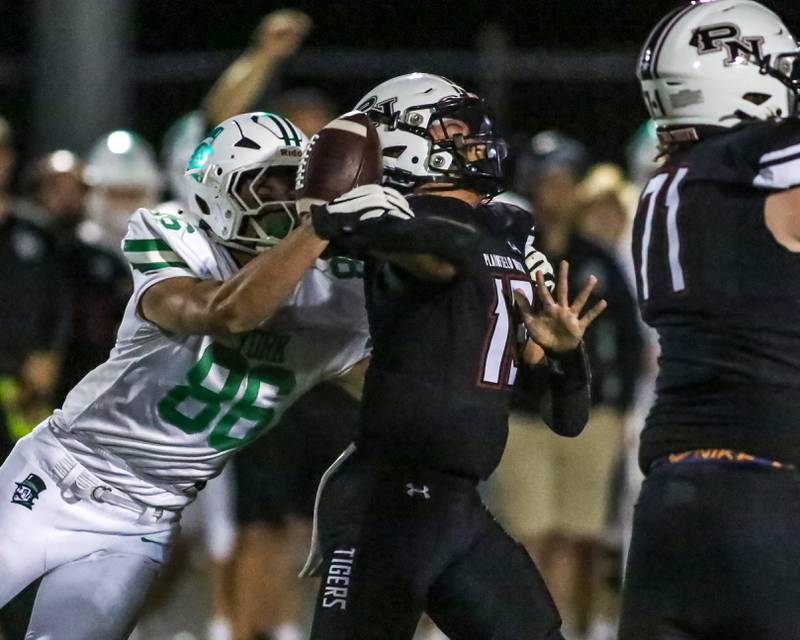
(558,325)
(281,33)
(364,205)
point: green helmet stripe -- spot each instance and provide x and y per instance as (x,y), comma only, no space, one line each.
(295,135)
(283,130)
(288,139)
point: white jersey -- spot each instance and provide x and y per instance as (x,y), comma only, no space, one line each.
(164,412)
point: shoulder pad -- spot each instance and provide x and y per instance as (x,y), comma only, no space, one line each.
(159,240)
(506,219)
(440,207)
(779,156)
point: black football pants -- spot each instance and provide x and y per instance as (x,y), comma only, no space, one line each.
(398,541)
(715,555)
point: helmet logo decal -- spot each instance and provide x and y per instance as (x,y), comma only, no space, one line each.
(713,37)
(201,153)
(379,111)
(244,141)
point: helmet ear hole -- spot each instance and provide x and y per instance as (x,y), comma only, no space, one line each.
(756,98)
(394,152)
(202,205)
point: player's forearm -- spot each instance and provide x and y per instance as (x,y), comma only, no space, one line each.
(432,249)
(422,266)
(189,306)
(566,402)
(239,86)
(254,294)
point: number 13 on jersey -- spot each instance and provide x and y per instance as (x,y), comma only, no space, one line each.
(500,352)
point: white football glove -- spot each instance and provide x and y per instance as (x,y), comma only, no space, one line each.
(366,204)
(535,261)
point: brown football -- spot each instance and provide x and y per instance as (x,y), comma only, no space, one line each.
(346,153)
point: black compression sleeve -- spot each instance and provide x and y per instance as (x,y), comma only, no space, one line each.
(447,239)
(566,401)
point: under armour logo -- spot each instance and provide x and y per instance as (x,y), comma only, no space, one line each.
(411,491)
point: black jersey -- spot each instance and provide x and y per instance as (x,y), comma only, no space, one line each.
(723,295)
(438,386)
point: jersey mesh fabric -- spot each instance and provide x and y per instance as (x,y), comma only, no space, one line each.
(438,387)
(165,412)
(723,295)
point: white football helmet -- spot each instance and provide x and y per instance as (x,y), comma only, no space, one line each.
(719,63)
(123,159)
(122,174)
(404,109)
(231,167)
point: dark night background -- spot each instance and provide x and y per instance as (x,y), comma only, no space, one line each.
(603,112)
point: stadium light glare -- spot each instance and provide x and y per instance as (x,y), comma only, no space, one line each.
(119,142)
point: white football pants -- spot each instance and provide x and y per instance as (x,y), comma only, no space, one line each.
(98,559)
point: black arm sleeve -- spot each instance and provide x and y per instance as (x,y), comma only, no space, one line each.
(565,403)
(447,239)
(443,227)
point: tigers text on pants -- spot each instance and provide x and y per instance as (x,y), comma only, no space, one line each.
(97,560)
(398,541)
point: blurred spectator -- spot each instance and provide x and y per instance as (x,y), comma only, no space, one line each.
(57,183)
(34,325)
(98,281)
(552,492)
(605,204)
(276,39)
(277,479)
(123,175)
(34,319)
(308,108)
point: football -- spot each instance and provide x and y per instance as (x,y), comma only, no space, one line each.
(345,154)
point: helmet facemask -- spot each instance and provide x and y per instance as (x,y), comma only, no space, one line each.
(785,67)
(263,220)
(477,154)
(241,181)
